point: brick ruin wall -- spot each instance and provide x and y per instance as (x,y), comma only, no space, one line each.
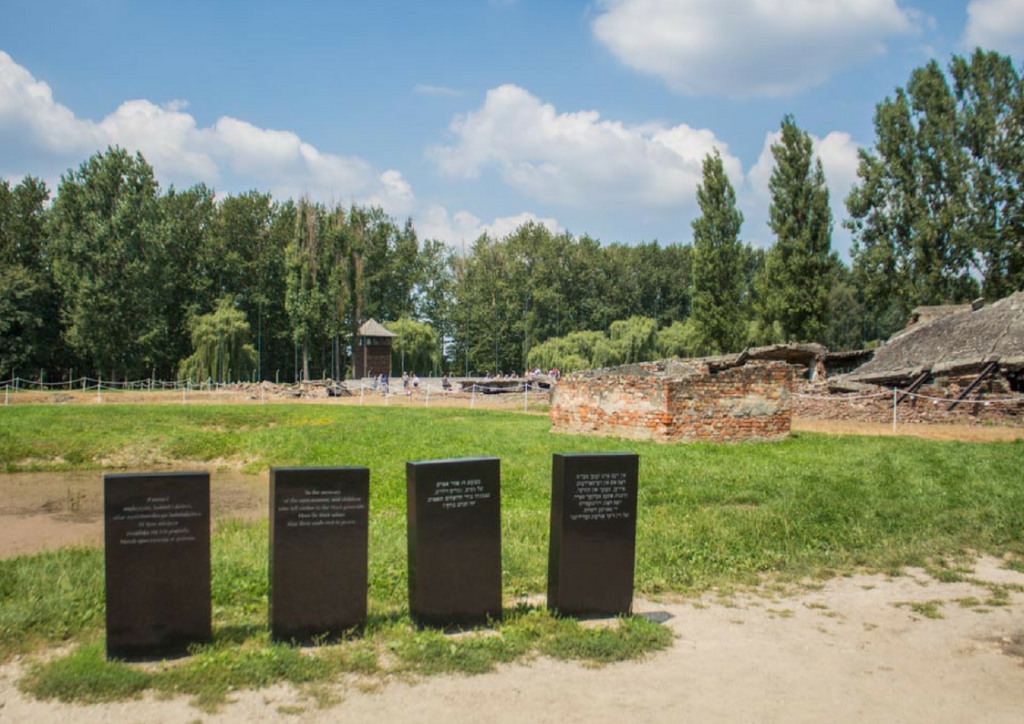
(990,404)
(751,402)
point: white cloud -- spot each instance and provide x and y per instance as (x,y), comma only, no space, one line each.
(33,124)
(747,47)
(577,158)
(463,226)
(995,25)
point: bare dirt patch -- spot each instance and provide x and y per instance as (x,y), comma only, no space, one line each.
(43,511)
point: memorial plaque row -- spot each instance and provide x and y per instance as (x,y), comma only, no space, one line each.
(157,548)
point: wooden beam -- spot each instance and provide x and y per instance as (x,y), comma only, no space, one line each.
(914,386)
(989,369)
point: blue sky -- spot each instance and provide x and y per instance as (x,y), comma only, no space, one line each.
(473,116)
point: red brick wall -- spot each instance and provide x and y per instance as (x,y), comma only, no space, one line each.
(743,403)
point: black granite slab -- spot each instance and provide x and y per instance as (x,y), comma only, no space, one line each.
(156,532)
(454,536)
(593,533)
(318,552)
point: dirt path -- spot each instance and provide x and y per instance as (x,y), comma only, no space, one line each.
(853,651)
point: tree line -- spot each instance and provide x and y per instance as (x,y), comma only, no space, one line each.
(115,277)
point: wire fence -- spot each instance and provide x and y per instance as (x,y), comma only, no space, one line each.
(365,391)
(951,408)
(471,393)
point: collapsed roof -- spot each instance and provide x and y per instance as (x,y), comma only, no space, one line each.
(795,354)
(963,341)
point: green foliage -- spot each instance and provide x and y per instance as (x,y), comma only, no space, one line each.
(847,318)
(717,317)
(798,269)
(633,339)
(990,100)
(244,258)
(939,203)
(517,293)
(573,352)
(108,253)
(416,348)
(23,319)
(28,302)
(220,344)
(305,298)
(681,339)
(85,676)
(628,340)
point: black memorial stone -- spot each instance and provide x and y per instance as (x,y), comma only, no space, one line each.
(318,551)
(156,532)
(453,512)
(593,533)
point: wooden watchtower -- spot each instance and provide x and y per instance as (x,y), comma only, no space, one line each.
(373,350)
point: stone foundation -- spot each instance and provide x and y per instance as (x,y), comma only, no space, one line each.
(690,405)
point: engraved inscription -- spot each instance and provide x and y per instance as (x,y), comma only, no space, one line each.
(320,508)
(158,521)
(454,494)
(600,496)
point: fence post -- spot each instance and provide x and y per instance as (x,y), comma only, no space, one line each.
(183,401)
(427,403)
(7,395)
(472,397)
(99,389)
(893,410)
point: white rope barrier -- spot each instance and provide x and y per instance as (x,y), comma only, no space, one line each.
(843,398)
(970,401)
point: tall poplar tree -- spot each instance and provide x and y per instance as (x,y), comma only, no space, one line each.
(799,268)
(716,263)
(306,293)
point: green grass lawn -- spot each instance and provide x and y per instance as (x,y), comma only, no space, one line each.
(709,515)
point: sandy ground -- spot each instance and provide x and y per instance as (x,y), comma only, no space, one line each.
(851,651)
(964,433)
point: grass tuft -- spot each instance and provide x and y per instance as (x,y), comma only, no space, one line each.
(85,676)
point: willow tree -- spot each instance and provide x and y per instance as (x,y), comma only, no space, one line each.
(416,347)
(220,344)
